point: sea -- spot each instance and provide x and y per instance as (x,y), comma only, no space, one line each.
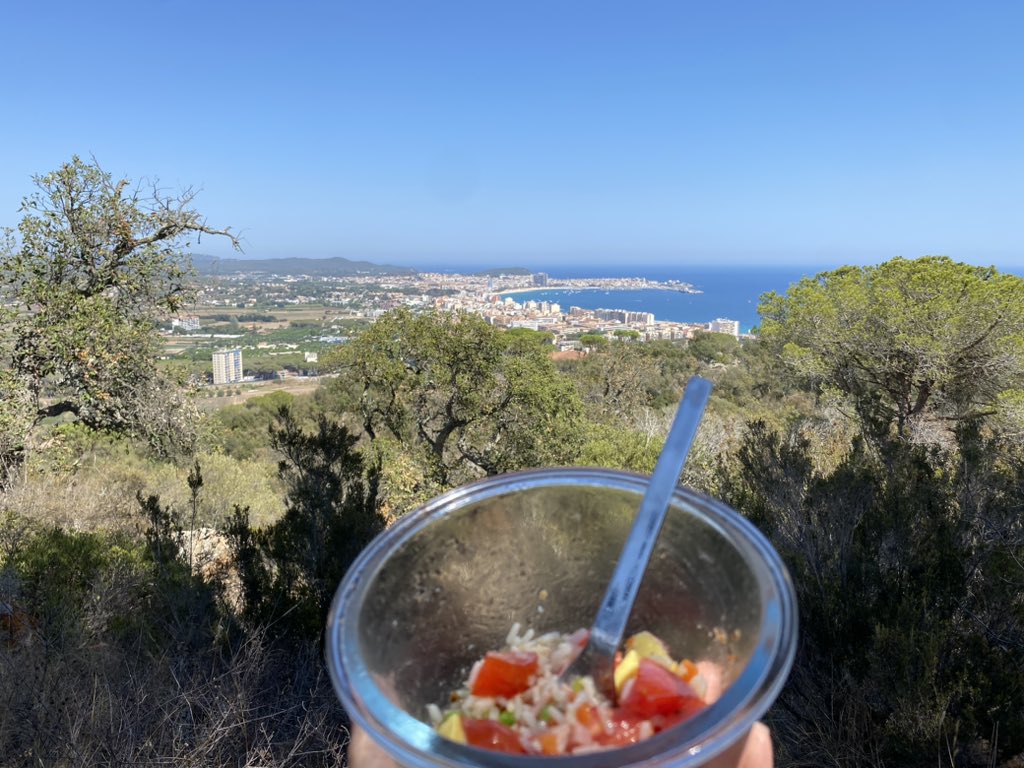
(730,292)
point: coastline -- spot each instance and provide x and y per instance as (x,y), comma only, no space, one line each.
(680,288)
(724,292)
(670,307)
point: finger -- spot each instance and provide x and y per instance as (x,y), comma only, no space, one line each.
(754,751)
(364,752)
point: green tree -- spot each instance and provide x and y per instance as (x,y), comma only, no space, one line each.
(242,431)
(95,265)
(904,338)
(479,400)
(618,382)
(614,381)
(711,347)
(542,338)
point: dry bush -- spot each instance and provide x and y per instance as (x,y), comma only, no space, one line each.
(132,659)
(87,705)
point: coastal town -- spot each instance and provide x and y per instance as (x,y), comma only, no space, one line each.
(284,320)
(568,324)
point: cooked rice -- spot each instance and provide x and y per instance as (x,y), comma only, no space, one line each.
(549,708)
(548,705)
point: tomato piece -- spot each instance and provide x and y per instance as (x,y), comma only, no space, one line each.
(490,734)
(623,728)
(505,673)
(656,691)
(664,722)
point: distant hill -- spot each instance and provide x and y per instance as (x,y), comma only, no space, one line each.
(501,271)
(332,267)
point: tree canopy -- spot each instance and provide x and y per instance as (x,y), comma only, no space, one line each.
(905,337)
(614,381)
(95,264)
(473,396)
(712,347)
(594,340)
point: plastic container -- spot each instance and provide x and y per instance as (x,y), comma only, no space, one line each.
(444,584)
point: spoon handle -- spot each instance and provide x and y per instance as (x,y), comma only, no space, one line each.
(610,624)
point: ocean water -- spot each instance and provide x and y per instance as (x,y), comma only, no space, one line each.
(731,292)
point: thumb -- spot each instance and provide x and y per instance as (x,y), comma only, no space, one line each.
(754,751)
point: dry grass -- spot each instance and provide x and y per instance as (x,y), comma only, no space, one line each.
(100,494)
(84,502)
(87,705)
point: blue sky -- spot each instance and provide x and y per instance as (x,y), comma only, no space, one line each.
(541,131)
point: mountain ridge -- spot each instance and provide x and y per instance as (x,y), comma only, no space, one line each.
(334,266)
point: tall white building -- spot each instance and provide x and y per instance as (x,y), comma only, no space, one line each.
(227,366)
(721,325)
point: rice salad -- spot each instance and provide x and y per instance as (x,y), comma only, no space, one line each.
(513,700)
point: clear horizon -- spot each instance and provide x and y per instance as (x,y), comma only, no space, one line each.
(612,267)
(398,132)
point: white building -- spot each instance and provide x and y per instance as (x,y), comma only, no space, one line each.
(186,323)
(722,325)
(227,366)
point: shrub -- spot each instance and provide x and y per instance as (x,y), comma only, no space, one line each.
(290,570)
(907,569)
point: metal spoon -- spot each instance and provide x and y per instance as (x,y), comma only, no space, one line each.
(598,656)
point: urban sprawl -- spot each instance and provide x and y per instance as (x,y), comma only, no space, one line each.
(493,296)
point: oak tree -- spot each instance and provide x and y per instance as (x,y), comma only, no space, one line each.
(95,264)
(475,399)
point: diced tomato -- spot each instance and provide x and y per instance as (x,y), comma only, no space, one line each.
(505,673)
(490,734)
(656,691)
(664,722)
(623,728)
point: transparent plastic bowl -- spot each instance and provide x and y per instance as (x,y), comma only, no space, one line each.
(444,584)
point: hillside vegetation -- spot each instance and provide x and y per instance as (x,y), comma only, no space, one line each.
(165,573)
